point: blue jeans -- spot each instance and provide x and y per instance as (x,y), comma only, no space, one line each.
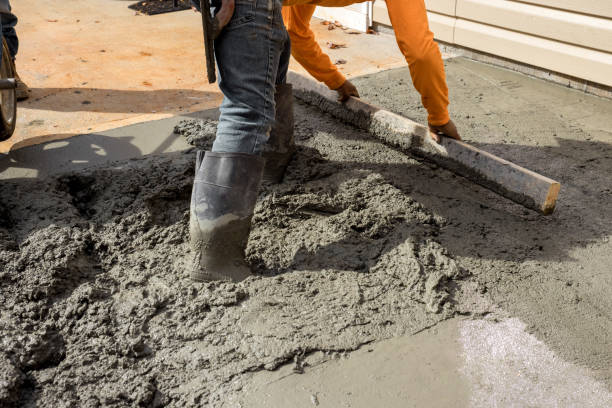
(252,54)
(7,25)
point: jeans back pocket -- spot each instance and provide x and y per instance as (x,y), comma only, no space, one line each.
(244,12)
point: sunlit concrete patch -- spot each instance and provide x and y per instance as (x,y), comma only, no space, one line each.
(458,363)
(508,367)
(409,371)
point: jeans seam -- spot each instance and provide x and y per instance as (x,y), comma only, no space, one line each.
(267,107)
(257,125)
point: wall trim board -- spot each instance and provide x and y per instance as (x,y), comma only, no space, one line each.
(567,59)
(441,25)
(600,8)
(564,26)
(439,6)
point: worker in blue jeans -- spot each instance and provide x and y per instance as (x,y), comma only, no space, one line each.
(254,137)
(8,21)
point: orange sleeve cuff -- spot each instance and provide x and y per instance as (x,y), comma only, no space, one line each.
(438,118)
(335,81)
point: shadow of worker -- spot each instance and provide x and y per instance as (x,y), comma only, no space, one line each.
(98,100)
(70,154)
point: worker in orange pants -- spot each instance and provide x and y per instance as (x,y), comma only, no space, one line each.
(415,40)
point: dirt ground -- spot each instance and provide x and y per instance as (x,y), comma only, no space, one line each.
(359,244)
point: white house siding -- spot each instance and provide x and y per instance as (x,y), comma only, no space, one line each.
(572,37)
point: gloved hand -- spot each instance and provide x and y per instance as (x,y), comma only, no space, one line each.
(346,90)
(449,130)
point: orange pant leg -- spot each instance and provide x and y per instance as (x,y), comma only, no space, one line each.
(415,40)
(305,49)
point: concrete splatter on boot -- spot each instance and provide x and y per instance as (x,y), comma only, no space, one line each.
(281,146)
(222,203)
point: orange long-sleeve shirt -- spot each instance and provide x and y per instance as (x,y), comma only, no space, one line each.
(415,40)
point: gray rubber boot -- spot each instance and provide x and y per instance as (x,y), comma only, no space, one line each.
(281,146)
(222,202)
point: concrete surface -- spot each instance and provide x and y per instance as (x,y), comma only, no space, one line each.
(94,65)
(552,348)
(458,363)
(483,363)
(423,370)
(92,149)
(551,272)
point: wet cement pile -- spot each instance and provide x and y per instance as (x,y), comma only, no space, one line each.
(98,309)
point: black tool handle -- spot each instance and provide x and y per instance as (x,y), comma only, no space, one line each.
(209,43)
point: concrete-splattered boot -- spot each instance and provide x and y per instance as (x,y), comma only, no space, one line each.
(222,202)
(281,145)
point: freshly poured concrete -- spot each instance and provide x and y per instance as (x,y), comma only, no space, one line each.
(458,363)
(551,346)
(553,273)
(359,245)
(423,370)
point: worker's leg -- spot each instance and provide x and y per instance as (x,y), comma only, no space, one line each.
(248,55)
(415,40)
(226,184)
(9,20)
(281,143)
(283,61)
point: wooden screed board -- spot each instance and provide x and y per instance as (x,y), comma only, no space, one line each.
(512,181)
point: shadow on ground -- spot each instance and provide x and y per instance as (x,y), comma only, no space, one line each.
(112,100)
(72,152)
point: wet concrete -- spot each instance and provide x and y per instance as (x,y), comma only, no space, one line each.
(410,371)
(462,363)
(359,244)
(553,273)
(96,273)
